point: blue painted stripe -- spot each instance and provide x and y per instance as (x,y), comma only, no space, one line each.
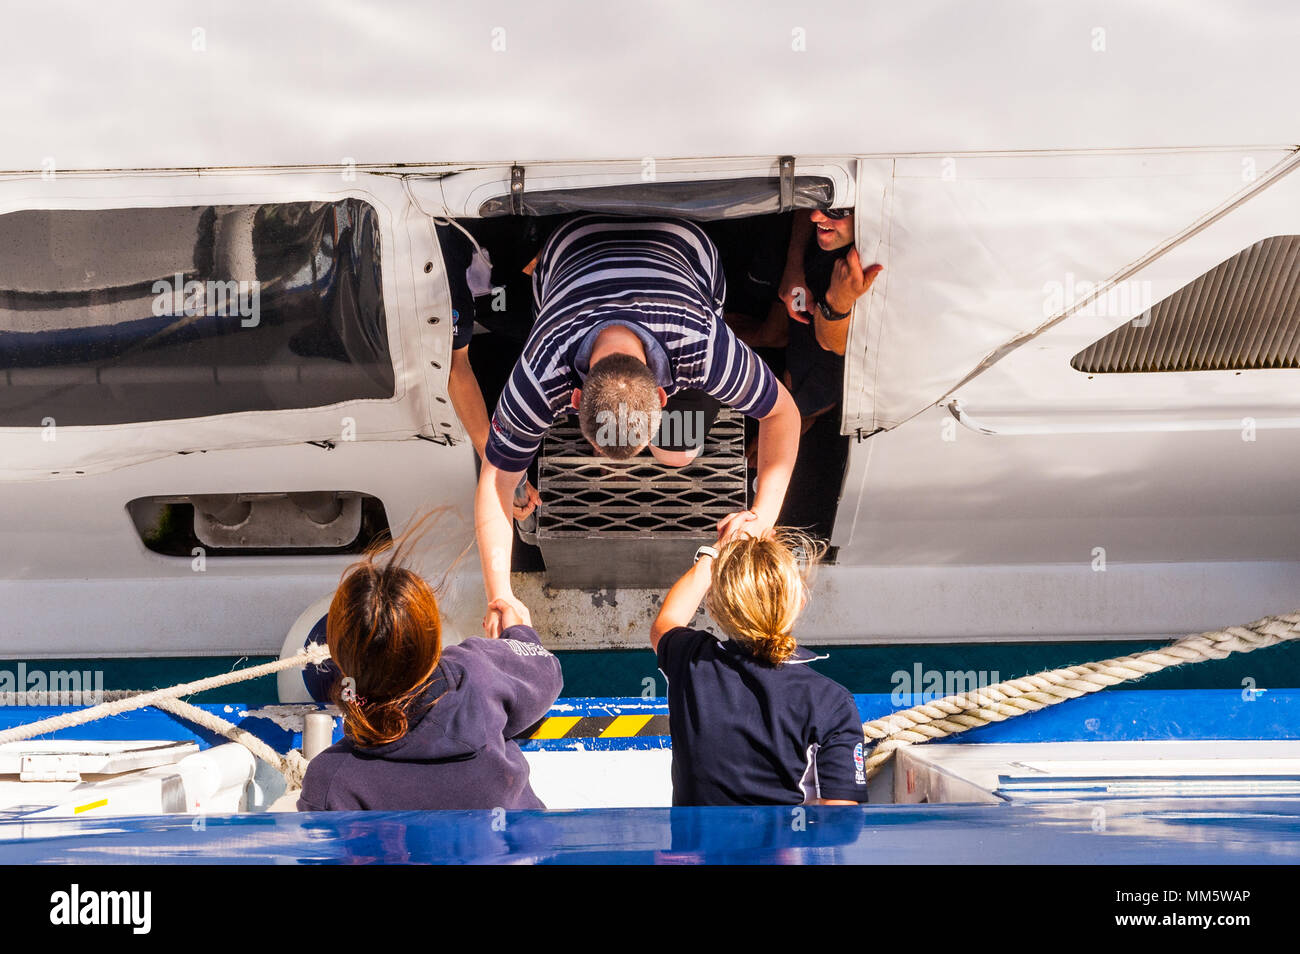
(1118,715)
(1113,715)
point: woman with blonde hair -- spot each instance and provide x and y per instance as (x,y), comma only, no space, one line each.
(426,727)
(751,723)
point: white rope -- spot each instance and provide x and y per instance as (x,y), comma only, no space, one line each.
(314,654)
(406,185)
(1006,700)
(291,765)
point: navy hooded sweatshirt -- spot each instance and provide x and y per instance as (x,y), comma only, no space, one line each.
(458,752)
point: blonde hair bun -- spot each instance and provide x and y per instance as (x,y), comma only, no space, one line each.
(759,588)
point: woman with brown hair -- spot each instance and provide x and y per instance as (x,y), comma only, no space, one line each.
(751,724)
(426,727)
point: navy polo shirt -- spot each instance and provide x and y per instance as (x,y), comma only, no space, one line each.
(748,733)
(460,749)
(457,256)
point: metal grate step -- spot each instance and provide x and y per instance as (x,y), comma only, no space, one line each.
(634,523)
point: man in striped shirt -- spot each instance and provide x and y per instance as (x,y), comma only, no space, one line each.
(629,325)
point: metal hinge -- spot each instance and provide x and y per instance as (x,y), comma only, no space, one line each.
(517,190)
(51,767)
(786,166)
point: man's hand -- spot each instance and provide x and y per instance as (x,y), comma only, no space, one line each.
(793,291)
(504,612)
(743,521)
(849,281)
(743,524)
(526,500)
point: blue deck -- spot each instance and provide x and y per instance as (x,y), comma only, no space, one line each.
(1244,830)
(1141,832)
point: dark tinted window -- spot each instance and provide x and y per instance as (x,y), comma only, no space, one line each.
(700,200)
(118,315)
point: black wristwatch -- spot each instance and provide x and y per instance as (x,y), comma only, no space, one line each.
(831,315)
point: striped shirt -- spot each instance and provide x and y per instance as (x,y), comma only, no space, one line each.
(661,276)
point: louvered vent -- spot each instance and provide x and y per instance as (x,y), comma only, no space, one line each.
(1243,314)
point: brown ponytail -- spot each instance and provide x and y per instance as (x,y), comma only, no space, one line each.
(385,635)
(759,588)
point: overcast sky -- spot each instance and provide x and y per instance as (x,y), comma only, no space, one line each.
(213,83)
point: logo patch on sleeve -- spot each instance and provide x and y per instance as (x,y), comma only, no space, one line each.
(531,649)
(859,767)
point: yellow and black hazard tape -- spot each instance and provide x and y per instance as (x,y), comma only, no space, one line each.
(640,725)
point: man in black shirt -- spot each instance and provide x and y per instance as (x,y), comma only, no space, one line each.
(822,280)
(803,308)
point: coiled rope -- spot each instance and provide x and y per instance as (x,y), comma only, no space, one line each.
(1006,700)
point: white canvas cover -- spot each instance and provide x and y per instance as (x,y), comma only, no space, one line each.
(982,252)
(50,449)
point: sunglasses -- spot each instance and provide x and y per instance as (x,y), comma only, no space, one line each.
(837,213)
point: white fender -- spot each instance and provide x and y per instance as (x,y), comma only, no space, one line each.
(289,684)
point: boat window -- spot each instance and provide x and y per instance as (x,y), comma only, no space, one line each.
(1243,314)
(703,201)
(111,316)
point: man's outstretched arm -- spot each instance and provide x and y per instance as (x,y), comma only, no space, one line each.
(778,446)
(514,437)
(493,505)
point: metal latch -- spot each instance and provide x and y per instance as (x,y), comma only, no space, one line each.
(517,190)
(48,768)
(965,420)
(786,166)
